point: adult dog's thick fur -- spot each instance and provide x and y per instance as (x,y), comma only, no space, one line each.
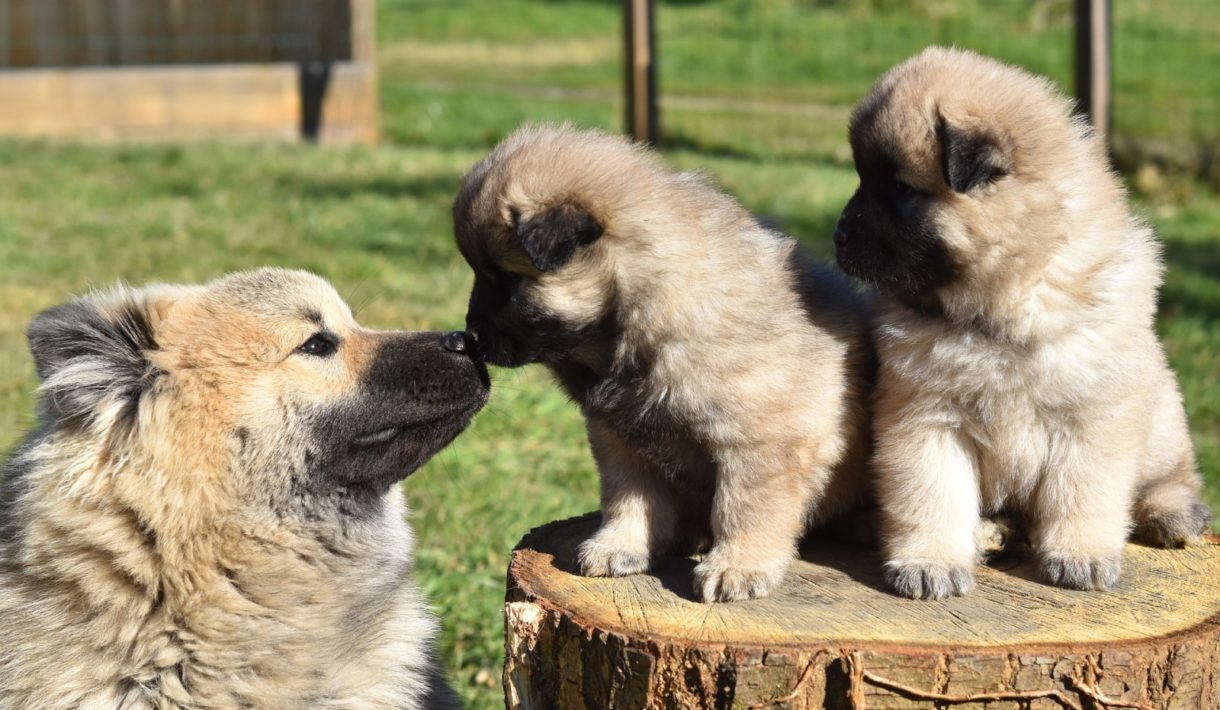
(1019,367)
(723,379)
(207,515)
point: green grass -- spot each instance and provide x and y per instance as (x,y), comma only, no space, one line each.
(758,98)
(816,56)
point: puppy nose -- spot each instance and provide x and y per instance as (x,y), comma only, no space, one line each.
(840,237)
(474,334)
(455,342)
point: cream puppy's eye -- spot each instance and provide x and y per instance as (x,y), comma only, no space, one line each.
(319,345)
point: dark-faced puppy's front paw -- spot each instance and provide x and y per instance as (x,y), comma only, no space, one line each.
(719,580)
(599,557)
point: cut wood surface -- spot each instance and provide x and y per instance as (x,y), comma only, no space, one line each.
(833,637)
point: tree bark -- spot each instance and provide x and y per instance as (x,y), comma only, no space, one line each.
(833,637)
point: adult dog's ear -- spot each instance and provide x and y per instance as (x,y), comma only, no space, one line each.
(552,236)
(971,156)
(91,354)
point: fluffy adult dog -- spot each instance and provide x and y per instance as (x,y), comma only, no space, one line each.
(208,515)
(1018,364)
(722,379)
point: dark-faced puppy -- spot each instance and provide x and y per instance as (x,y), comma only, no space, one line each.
(208,514)
(723,379)
(1019,366)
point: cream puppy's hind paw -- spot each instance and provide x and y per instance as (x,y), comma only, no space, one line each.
(1084,573)
(928,580)
(1175,529)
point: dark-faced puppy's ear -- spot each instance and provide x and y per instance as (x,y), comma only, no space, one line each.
(552,236)
(971,156)
(91,355)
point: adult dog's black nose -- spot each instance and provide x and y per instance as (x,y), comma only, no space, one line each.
(455,342)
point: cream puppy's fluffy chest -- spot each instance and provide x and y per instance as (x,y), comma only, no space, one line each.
(1013,403)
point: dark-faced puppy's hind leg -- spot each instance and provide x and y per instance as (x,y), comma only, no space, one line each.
(638,516)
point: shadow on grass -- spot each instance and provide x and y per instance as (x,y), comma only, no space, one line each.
(422,187)
(677,140)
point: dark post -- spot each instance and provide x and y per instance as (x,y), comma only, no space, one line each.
(1093,63)
(640,67)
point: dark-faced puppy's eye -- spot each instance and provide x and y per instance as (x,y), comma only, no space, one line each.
(319,345)
(903,190)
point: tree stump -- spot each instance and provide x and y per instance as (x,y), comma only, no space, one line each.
(833,637)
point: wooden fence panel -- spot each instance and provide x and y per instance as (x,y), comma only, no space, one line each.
(72,33)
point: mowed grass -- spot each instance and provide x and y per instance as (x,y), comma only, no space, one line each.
(457,76)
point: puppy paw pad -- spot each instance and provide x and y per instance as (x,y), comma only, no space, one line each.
(1085,573)
(928,580)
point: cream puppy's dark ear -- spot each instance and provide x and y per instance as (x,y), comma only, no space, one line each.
(971,155)
(91,354)
(551,236)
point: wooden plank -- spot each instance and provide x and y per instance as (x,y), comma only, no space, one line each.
(152,103)
(90,31)
(6,34)
(125,33)
(640,70)
(244,101)
(48,29)
(45,33)
(21,33)
(364,31)
(1093,63)
(349,108)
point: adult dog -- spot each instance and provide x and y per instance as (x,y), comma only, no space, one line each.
(208,513)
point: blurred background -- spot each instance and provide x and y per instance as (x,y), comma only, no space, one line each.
(166,140)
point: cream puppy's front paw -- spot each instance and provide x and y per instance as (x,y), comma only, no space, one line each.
(918,579)
(1079,572)
(719,580)
(604,556)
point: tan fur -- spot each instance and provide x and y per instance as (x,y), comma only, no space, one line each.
(148,564)
(1033,380)
(719,408)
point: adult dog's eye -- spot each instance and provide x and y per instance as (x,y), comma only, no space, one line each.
(319,345)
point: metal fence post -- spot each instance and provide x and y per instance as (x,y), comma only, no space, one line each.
(639,63)
(1094,72)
